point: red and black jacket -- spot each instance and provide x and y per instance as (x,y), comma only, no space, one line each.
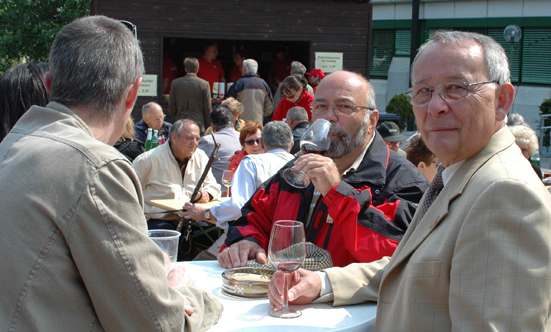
(369,210)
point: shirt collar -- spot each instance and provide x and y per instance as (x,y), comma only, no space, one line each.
(450,171)
(358,160)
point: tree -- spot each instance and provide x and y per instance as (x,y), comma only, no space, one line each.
(399,105)
(28,27)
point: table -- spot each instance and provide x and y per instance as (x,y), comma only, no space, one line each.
(176,204)
(248,315)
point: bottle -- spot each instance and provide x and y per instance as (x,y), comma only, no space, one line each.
(536,158)
(155,140)
(149,139)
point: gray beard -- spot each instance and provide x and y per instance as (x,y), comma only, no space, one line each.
(345,143)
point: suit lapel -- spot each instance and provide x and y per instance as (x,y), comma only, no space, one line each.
(418,231)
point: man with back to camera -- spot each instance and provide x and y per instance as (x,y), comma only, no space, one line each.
(190,97)
(152,117)
(228,138)
(361,198)
(477,258)
(76,252)
(253,92)
(172,171)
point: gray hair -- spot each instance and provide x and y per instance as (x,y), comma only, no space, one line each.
(297,113)
(370,104)
(496,61)
(525,134)
(516,119)
(191,65)
(251,66)
(93,62)
(298,68)
(178,125)
(277,134)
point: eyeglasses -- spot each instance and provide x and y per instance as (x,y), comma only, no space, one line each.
(253,142)
(450,91)
(132,27)
(341,108)
(290,94)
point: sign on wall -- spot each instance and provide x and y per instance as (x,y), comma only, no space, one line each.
(329,61)
(148,88)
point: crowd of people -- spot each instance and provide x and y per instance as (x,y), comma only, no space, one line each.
(448,232)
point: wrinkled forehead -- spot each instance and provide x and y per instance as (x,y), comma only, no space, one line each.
(454,61)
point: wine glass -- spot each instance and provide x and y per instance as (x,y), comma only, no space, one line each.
(287,251)
(314,140)
(227,177)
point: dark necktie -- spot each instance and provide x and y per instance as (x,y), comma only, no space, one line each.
(434,189)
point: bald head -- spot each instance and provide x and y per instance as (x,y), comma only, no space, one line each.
(153,116)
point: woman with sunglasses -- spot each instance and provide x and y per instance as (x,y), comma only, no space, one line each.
(294,89)
(249,137)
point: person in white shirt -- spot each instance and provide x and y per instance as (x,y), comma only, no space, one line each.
(253,170)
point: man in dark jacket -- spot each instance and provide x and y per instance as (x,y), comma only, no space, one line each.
(362,196)
(253,92)
(297,119)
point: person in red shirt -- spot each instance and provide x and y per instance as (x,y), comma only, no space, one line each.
(170,73)
(211,69)
(279,69)
(294,89)
(315,77)
(236,72)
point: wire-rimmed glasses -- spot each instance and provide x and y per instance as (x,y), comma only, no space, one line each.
(450,91)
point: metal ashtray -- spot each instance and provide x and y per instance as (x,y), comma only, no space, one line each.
(247,281)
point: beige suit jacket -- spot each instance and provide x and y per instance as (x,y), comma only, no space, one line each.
(479,260)
(190,99)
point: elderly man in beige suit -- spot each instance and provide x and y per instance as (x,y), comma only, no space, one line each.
(478,257)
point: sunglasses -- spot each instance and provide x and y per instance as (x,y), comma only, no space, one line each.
(253,142)
(133,28)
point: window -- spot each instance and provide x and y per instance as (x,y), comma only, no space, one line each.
(382,51)
(536,56)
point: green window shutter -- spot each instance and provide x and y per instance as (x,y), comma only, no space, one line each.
(536,56)
(513,52)
(382,51)
(403,42)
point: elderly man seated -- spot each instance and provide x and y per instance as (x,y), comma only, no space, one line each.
(172,171)
(277,140)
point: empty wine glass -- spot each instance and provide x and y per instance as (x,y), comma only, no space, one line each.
(287,251)
(227,177)
(314,140)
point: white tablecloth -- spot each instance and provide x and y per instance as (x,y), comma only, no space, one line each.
(252,314)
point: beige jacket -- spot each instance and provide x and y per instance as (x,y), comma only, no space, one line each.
(479,260)
(160,178)
(75,251)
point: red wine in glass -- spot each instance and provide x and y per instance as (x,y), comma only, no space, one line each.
(287,251)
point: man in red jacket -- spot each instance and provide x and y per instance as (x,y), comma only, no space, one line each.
(362,196)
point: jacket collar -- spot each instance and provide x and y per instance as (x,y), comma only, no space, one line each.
(373,167)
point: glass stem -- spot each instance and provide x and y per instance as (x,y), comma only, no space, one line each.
(285,292)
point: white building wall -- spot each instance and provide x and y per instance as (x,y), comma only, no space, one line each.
(528,98)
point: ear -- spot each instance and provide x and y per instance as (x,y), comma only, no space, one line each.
(373,119)
(132,94)
(505,99)
(48,82)
(291,147)
(421,165)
